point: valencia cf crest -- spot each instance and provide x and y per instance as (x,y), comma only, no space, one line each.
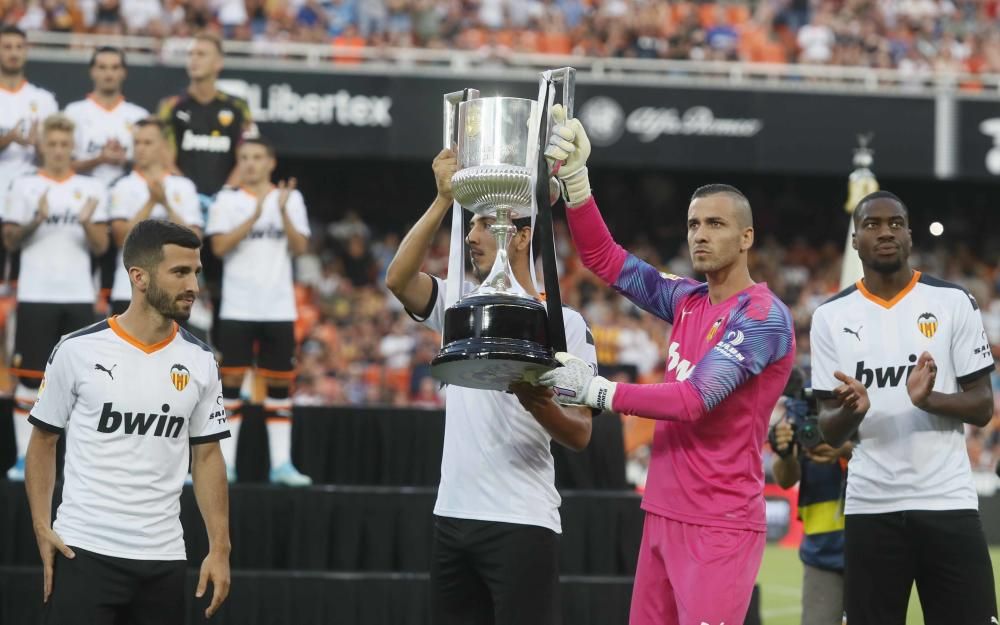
(714,329)
(180,376)
(928,324)
(226,117)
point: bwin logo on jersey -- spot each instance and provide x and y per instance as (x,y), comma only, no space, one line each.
(884,376)
(674,361)
(734,337)
(140,423)
(180,376)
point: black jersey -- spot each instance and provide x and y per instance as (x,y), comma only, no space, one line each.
(205,136)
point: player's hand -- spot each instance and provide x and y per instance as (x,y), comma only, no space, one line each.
(214,569)
(531,397)
(42,212)
(285,191)
(29,138)
(576,384)
(114,153)
(87,212)
(851,394)
(567,154)
(157,194)
(823,454)
(445,165)
(48,543)
(921,381)
(783,436)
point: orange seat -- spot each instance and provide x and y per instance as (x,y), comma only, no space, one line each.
(738,14)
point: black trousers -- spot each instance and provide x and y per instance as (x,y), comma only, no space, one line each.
(491,573)
(93,589)
(944,552)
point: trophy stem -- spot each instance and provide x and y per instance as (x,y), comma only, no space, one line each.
(501,279)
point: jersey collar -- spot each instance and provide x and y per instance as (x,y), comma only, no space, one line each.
(109,109)
(895,300)
(131,340)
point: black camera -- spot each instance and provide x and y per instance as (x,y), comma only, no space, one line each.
(803,415)
(801,412)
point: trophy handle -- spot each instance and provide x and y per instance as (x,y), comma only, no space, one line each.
(566,76)
(451,102)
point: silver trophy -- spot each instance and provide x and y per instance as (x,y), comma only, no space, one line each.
(496,334)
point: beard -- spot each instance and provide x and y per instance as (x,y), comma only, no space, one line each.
(887,266)
(165,303)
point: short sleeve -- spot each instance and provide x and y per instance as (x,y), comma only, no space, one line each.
(218,217)
(970,346)
(56,395)
(47,105)
(297,213)
(18,206)
(823,356)
(579,338)
(189,207)
(101,213)
(120,201)
(208,422)
(433,315)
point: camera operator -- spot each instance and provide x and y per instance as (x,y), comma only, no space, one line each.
(802,456)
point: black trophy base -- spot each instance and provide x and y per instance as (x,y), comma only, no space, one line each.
(491,364)
(491,341)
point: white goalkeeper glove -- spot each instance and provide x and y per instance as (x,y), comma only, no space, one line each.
(576,384)
(567,154)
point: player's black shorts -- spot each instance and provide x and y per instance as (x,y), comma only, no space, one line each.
(268,345)
(944,552)
(93,589)
(492,573)
(39,328)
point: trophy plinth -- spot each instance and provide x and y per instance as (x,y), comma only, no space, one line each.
(491,341)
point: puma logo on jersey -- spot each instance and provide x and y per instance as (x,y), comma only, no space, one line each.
(140,423)
(100,367)
(205,143)
(884,376)
(674,361)
(856,333)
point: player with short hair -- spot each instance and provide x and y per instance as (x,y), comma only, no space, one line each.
(901,361)
(104,119)
(256,230)
(496,529)
(150,191)
(731,352)
(57,219)
(23,106)
(134,395)
(205,127)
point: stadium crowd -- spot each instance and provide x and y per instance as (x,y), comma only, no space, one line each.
(919,37)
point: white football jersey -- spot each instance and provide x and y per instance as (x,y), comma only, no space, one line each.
(257,281)
(21,108)
(96,125)
(55,259)
(129,412)
(907,459)
(497,460)
(129,195)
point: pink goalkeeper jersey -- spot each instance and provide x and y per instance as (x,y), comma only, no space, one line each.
(726,367)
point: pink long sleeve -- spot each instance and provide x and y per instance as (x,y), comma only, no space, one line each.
(673,401)
(597,248)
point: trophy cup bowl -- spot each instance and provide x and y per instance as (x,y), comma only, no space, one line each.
(496,335)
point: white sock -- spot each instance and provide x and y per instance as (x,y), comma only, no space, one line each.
(279,430)
(235,420)
(24,400)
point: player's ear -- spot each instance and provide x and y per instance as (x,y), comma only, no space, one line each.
(854,240)
(747,242)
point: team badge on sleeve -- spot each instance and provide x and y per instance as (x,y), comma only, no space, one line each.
(928,324)
(180,376)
